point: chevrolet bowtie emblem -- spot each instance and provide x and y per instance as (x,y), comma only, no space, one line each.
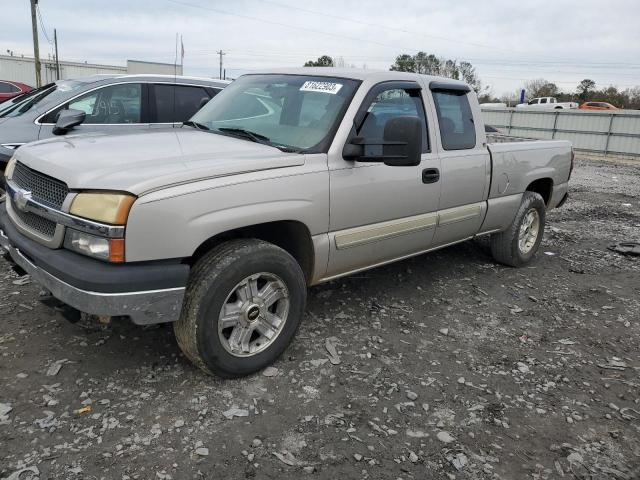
(20,199)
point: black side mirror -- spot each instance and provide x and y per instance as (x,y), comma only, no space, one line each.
(67,119)
(401,144)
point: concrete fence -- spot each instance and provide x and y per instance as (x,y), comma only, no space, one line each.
(605,132)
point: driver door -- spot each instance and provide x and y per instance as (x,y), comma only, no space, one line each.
(379,213)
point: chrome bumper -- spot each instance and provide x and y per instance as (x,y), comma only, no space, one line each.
(144,308)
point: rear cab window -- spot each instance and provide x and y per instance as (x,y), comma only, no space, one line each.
(457,129)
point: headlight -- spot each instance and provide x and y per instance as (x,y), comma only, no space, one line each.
(107,207)
(8,170)
(108,249)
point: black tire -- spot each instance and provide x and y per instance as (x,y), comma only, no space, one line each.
(505,245)
(212,279)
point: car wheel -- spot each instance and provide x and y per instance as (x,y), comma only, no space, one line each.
(243,305)
(517,245)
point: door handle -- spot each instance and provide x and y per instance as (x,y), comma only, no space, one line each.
(430,175)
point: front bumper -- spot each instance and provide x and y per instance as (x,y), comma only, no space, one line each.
(147,293)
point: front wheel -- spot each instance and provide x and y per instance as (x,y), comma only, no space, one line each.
(244,302)
(517,245)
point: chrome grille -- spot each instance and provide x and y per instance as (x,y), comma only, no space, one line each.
(43,188)
(43,226)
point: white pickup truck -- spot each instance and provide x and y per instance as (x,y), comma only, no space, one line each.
(286,179)
(547,103)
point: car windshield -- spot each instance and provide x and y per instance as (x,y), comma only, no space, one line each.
(290,112)
(49,93)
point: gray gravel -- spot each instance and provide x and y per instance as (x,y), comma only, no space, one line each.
(443,366)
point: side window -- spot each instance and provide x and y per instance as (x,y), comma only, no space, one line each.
(457,130)
(112,104)
(5,87)
(543,100)
(178,103)
(388,104)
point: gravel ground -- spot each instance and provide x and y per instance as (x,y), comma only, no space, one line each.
(443,366)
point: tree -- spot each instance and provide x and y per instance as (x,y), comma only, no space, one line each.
(323,61)
(541,87)
(404,63)
(585,87)
(429,64)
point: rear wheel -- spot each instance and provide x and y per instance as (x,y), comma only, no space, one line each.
(517,245)
(243,305)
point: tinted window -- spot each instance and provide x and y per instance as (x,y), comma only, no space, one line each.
(543,100)
(390,104)
(188,100)
(457,129)
(112,104)
(6,87)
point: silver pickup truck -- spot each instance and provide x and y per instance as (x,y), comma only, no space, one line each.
(285,179)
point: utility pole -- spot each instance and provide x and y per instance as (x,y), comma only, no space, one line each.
(36,50)
(221,53)
(55,41)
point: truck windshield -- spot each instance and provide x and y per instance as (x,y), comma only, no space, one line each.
(48,93)
(291,112)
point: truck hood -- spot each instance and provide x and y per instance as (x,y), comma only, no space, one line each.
(145,161)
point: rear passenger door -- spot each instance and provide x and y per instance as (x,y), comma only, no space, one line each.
(173,104)
(464,162)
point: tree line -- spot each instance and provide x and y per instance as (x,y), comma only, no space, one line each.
(430,64)
(587,90)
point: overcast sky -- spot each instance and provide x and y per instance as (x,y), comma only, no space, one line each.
(509,42)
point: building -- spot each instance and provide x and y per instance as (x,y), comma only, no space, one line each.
(22,69)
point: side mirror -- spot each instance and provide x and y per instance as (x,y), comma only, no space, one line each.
(67,119)
(401,144)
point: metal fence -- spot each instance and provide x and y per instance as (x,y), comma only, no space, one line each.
(607,133)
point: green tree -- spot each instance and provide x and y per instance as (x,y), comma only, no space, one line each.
(323,61)
(404,63)
(429,64)
(585,88)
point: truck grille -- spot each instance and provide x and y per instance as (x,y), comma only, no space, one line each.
(43,188)
(43,226)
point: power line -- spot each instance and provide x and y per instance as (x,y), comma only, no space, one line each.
(44,30)
(394,29)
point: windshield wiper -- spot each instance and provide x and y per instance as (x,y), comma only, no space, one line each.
(199,126)
(257,137)
(241,132)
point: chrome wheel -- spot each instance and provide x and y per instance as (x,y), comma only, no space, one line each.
(253,314)
(529,230)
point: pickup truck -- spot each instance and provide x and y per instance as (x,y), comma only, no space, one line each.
(285,180)
(547,103)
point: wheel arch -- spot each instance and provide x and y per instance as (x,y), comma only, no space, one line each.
(292,236)
(542,186)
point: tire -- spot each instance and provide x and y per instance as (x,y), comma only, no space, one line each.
(506,246)
(216,281)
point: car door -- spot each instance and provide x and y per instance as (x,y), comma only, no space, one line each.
(172,104)
(115,108)
(464,163)
(379,213)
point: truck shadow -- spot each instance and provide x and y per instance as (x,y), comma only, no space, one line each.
(121,345)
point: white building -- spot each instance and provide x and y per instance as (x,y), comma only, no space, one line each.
(22,69)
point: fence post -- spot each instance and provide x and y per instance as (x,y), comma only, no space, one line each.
(606,147)
(555,124)
(510,121)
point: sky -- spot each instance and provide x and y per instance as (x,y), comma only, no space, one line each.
(509,42)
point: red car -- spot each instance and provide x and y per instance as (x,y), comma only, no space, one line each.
(12,89)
